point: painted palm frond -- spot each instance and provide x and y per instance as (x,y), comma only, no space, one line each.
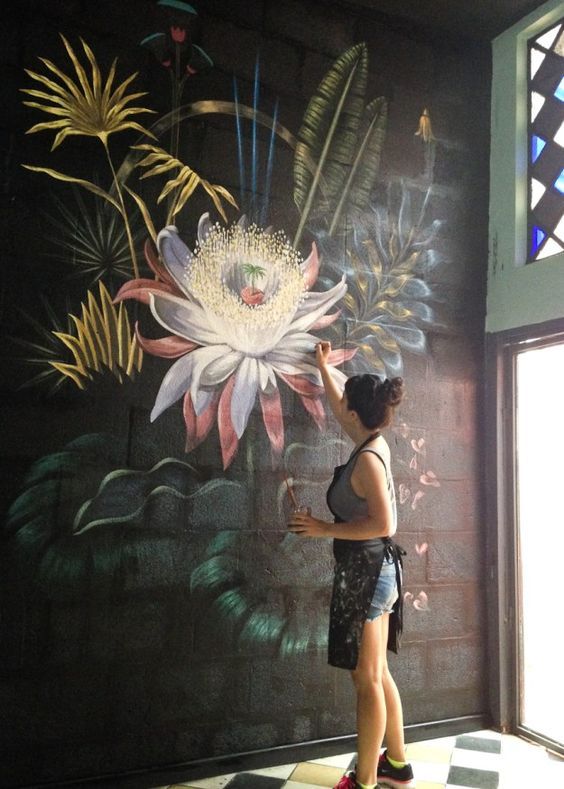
(183,185)
(91,240)
(84,105)
(101,340)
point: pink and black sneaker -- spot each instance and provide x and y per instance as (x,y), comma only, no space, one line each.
(391,776)
(348,781)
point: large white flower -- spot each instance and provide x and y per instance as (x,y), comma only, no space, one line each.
(240,312)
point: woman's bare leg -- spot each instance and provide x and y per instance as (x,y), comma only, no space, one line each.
(395,742)
(370,698)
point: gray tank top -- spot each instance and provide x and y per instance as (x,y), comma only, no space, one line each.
(344,503)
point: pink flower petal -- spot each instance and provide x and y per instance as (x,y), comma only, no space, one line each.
(227,435)
(325,320)
(310,267)
(421,602)
(418,495)
(314,407)
(421,549)
(301,385)
(404,493)
(197,427)
(418,446)
(429,478)
(340,356)
(152,258)
(413,463)
(271,406)
(141,289)
(170,347)
(408,597)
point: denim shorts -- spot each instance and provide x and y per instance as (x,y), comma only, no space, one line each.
(386,592)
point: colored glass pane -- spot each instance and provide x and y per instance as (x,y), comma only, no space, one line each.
(559,136)
(537,144)
(559,92)
(538,236)
(559,183)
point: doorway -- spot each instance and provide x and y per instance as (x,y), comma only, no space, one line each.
(538,395)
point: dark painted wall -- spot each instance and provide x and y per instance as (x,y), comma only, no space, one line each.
(180,623)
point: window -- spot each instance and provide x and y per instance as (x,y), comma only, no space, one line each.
(546,143)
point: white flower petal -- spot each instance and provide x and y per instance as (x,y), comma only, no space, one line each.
(184,318)
(221,368)
(298,341)
(337,375)
(204,227)
(267,377)
(175,254)
(203,357)
(244,394)
(175,383)
(292,363)
(315,305)
(202,400)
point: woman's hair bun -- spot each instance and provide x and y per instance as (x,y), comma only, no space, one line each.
(394,390)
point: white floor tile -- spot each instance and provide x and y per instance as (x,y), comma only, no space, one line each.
(486,734)
(432,773)
(464,757)
(298,785)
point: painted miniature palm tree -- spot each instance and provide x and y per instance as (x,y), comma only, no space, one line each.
(250,293)
(86,106)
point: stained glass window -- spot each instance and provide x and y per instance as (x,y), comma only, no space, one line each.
(546,143)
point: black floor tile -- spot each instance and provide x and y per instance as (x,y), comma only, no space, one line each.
(250,781)
(469,776)
(478,744)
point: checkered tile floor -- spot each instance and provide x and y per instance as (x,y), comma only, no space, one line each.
(481,760)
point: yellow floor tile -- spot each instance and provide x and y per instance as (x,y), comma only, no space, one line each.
(420,752)
(316,774)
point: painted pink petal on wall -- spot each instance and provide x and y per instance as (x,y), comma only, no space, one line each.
(325,320)
(167,347)
(430,478)
(408,597)
(340,356)
(404,493)
(310,267)
(197,427)
(141,289)
(421,602)
(418,445)
(314,407)
(413,463)
(421,549)
(152,258)
(302,385)
(419,495)
(227,436)
(273,419)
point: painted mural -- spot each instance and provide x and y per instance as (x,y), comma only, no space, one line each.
(201,303)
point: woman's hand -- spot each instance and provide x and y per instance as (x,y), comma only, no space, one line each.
(305,526)
(322,353)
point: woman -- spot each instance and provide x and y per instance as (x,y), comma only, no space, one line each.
(365,616)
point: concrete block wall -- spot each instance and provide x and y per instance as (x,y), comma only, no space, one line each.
(122,666)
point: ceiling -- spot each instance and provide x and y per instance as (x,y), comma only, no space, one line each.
(478,19)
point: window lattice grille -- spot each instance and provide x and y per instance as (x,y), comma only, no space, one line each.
(546,143)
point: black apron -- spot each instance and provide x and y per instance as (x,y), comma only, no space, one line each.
(357,568)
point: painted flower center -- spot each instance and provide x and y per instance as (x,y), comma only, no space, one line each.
(247,276)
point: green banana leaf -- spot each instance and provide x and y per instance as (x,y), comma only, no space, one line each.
(329,133)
